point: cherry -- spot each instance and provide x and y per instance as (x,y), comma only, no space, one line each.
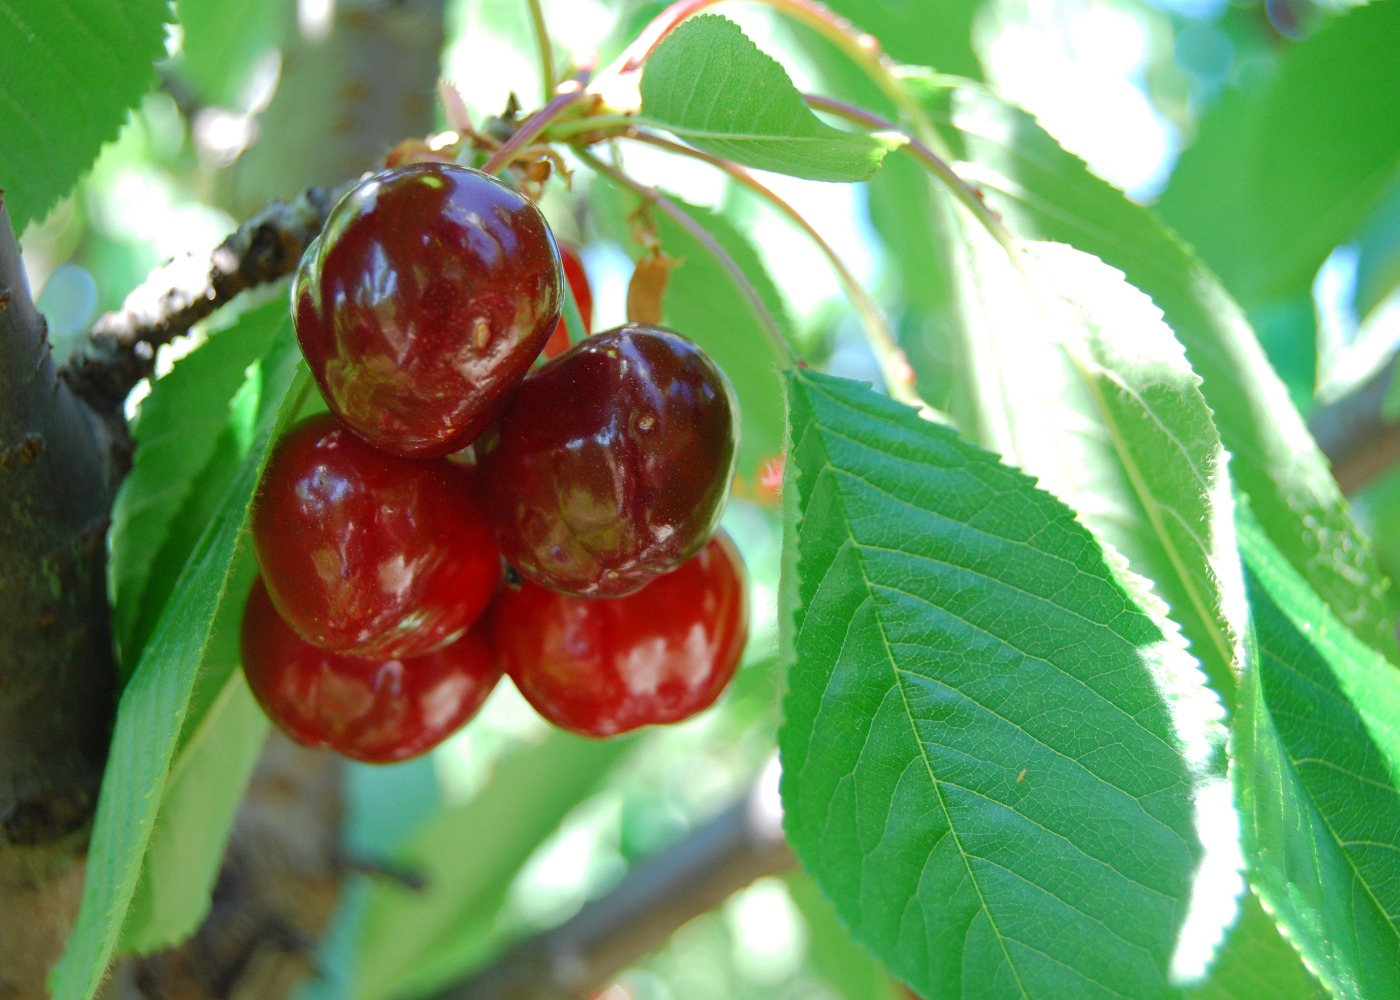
(599,668)
(612,463)
(424,301)
(583,295)
(367,553)
(376,711)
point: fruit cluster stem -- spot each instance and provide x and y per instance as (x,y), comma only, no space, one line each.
(894,364)
(543,47)
(652,196)
(532,128)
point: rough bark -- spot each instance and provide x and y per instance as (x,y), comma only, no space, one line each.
(57,667)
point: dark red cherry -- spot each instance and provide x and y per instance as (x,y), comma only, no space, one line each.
(424,301)
(367,553)
(583,295)
(599,668)
(612,463)
(376,711)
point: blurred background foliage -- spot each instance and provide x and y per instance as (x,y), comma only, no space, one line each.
(1236,119)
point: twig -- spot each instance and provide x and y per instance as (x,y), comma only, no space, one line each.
(1355,435)
(693,876)
(121,348)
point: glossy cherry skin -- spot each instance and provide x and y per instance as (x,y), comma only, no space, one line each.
(583,296)
(423,303)
(613,462)
(367,553)
(377,711)
(599,668)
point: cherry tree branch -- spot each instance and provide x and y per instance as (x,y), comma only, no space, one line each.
(691,877)
(120,351)
(57,670)
(1354,433)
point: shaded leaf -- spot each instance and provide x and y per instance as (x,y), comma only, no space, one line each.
(222,43)
(1281,173)
(1317,744)
(186,450)
(413,943)
(1257,962)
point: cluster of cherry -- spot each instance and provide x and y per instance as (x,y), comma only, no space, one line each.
(457,515)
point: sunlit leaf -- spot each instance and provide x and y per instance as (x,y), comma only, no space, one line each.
(713,87)
(1043,192)
(73,69)
(985,753)
(1255,962)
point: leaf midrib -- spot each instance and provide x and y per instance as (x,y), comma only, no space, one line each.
(909,716)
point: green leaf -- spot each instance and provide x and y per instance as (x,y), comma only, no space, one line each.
(217,752)
(413,943)
(1317,744)
(223,41)
(1071,374)
(1257,962)
(714,88)
(985,759)
(153,708)
(1043,192)
(202,795)
(1282,173)
(186,453)
(920,34)
(193,435)
(73,68)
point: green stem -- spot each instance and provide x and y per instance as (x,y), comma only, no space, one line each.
(894,364)
(545,49)
(698,233)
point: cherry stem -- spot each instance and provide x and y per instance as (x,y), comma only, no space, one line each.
(571,93)
(969,196)
(894,363)
(698,233)
(545,49)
